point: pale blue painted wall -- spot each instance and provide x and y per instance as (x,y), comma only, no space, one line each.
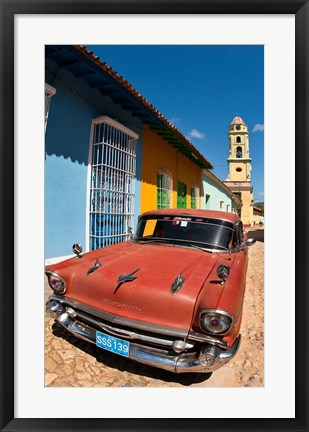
(216,193)
(66,157)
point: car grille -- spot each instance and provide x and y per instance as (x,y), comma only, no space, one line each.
(76,310)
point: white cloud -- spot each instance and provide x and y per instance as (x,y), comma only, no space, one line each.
(258,128)
(174,120)
(196,134)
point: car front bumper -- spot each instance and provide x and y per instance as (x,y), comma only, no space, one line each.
(158,357)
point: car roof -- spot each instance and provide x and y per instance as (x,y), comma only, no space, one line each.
(215,214)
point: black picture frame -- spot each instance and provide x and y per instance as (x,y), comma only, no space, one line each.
(8,10)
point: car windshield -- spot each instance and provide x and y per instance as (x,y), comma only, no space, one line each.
(204,232)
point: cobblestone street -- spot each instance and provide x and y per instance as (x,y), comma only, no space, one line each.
(70,362)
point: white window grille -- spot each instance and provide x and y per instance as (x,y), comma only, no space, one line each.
(164,189)
(49,93)
(112,183)
(222,205)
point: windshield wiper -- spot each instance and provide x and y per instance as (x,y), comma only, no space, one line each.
(205,249)
(199,248)
(180,242)
(152,240)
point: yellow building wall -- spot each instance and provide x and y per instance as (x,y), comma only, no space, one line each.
(247,208)
(238,176)
(158,154)
(257,218)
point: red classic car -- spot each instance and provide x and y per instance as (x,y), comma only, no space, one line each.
(171,297)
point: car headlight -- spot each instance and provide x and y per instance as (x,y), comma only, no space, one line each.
(216,322)
(56,282)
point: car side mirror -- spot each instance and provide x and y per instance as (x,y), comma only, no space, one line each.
(77,249)
(250,241)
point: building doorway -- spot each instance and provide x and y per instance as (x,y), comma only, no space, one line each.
(181,195)
(112,183)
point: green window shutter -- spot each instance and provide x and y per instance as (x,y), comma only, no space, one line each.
(164,190)
(193,198)
(162,194)
(164,199)
(159,191)
(181,195)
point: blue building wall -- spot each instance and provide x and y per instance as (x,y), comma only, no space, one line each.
(216,193)
(67,139)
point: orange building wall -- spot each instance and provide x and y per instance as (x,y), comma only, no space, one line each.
(158,154)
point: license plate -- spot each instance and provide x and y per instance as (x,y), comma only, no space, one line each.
(113,344)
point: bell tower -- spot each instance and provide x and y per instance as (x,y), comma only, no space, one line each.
(239,167)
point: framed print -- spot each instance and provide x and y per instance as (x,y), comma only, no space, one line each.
(27,403)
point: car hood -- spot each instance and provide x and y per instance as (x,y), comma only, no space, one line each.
(147,295)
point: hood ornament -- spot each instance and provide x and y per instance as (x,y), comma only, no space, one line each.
(95,267)
(127,278)
(178,283)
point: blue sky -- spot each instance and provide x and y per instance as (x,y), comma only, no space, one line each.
(200,89)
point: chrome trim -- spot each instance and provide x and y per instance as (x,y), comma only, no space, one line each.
(189,215)
(139,325)
(188,362)
(179,245)
(199,337)
(220,270)
(54,308)
(95,267)
(221,312)
(127,334)
(77,250)
(56,275)
(128,277)
(250,241)
(212,351)
(177,284)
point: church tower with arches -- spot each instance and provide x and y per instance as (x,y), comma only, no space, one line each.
(240,167)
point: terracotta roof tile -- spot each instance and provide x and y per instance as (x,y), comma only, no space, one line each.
(106,68)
